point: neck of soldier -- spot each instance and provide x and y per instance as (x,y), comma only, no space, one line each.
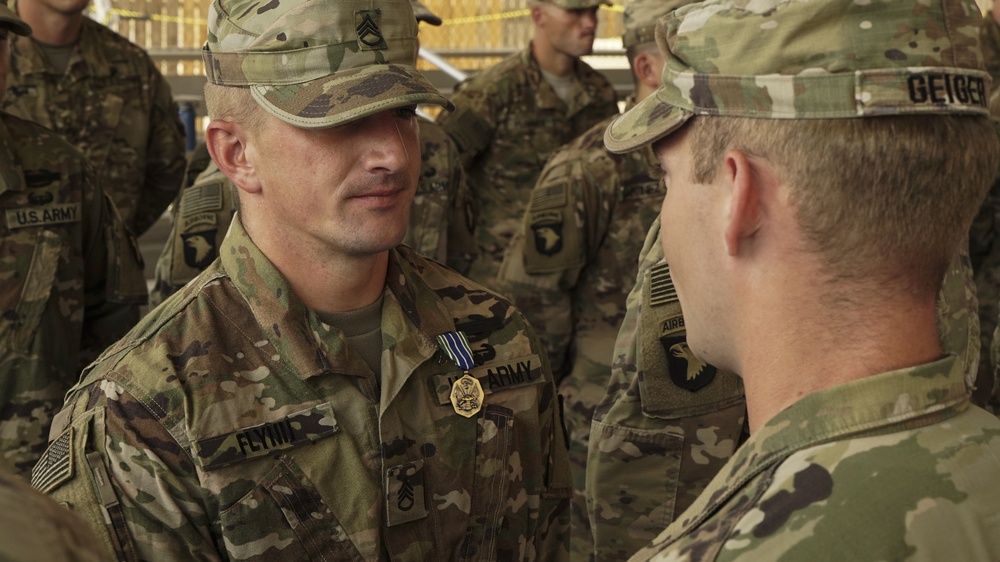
(799,336)
(324,280)
(551,60)
(50,26)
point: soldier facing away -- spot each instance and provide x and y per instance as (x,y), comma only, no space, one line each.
(574,260)
(319,391)
(70,277)
(817,281)
(105,96)
(512,116)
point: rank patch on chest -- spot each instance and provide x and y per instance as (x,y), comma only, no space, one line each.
(43,216)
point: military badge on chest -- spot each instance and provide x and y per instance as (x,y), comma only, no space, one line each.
(467,392)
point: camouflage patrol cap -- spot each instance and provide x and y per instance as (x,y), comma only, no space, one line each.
(318,63)
(640,19)
(810,59)
(9,19)
(424,14)
(576,4)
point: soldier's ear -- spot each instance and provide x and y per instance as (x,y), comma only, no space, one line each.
(227,142)
(748,189)
(646,71)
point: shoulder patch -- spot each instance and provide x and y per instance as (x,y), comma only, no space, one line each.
(56,464)
(661,286)
(549,197)
(200,198)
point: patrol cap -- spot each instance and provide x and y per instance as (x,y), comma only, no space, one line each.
(424,13)
(811,59)
(576,4)
(318,63)
(640,17)
(9,19)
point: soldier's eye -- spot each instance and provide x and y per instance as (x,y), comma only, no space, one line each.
(408,112)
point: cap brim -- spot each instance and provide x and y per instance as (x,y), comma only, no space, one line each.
(16,25)
(348,95)
(647,122)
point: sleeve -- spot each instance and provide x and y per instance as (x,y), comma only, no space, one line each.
(461,248)
(543,263)
(119,469)
(114,286)
(165,159)
(474,121)
(989,38)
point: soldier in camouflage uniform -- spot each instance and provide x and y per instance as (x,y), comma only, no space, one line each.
(33,528)
(573,262)
(70,277)
(319,391)
(105,96)
(511,117)
(441,227)
(817,281)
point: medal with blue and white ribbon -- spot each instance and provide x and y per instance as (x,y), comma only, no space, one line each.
(466,392)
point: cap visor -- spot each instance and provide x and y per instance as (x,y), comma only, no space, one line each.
(348,95)
(647,122)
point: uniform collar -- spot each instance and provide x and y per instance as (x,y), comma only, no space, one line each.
(412,313)
(910,398)
(87,58)
(545,95)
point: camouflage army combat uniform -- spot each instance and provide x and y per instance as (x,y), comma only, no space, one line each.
(442,220)
(33,528)
(507,122)
(70,282)
(214,431)
(115,106)
(910,436)
(670,422)
(570,269)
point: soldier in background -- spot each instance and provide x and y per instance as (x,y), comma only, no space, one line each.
(574,260)
(817,281)
(512,116)
(441,226)
(70,278)
(105,96)
(317,391)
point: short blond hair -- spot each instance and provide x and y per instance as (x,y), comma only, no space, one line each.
(886,199)
(231,103)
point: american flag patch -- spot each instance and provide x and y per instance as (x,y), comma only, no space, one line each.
(202,198)
(56,464)
(549,196)
(661,286)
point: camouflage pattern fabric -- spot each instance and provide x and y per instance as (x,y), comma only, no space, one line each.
(232,423)
(507,122)
(113,105)
(70,282)
(670,422)
(989,39)
(570,268)
(667,424)
(442,220)
(789,490)
(33,528)
(359,62)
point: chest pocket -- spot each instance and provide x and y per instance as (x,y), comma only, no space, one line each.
(283,511)
(428,218)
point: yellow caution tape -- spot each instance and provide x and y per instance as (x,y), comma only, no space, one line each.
(509,15)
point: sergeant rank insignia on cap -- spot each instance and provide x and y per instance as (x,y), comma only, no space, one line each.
(369,35)
(467,392)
